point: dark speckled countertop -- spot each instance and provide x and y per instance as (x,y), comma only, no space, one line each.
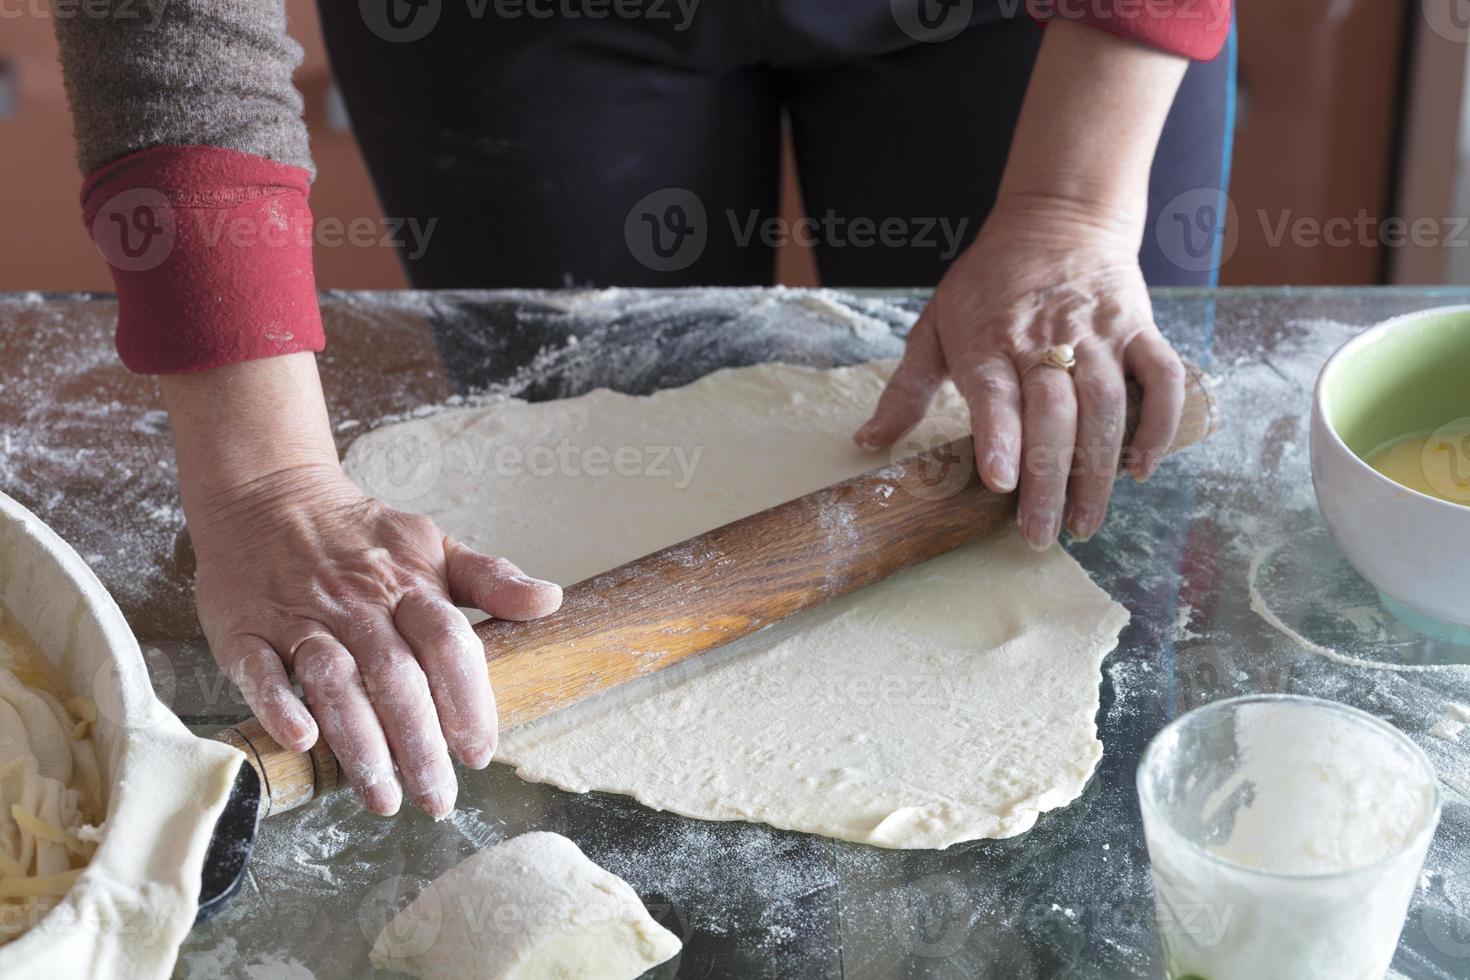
(84,445)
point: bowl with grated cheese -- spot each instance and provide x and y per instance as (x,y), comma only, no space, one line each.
(107,802)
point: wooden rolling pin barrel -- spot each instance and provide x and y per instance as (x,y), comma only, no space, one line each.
(702,593)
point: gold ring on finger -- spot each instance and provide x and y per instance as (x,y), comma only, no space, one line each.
(314,635)
(1062,356)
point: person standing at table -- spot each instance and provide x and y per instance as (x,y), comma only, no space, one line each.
(576,143)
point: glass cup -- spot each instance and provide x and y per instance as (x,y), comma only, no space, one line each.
(1286,836)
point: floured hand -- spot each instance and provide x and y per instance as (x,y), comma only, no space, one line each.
(303,574)
(299,572)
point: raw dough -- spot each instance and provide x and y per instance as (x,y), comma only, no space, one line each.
(531,907)
(954,701)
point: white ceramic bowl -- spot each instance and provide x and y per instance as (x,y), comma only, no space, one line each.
(1408,374)
(163,788)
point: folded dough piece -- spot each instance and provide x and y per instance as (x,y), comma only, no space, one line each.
(530,907)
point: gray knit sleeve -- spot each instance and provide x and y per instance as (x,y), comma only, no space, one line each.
(146,73)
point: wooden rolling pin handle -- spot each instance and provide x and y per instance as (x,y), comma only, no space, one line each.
(677,603)
(288,778)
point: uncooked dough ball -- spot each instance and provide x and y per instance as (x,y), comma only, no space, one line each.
(531,907)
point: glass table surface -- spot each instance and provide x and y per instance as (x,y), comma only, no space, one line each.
(1225,531)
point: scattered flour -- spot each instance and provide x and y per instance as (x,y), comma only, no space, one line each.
(1260,607)
(223,960)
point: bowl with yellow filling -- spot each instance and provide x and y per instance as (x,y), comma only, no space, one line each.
(1391,464)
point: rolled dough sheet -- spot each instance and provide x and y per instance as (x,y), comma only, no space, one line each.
(530,908)
(954,701)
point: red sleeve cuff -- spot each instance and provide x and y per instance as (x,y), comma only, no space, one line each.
(1194,29)
(210,250)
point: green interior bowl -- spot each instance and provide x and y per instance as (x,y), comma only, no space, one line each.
(1411,379)
(1407,376)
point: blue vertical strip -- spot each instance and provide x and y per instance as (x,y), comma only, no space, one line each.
(1231,80)
(1207,351)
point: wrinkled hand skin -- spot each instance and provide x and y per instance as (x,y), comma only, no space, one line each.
(391,671)
(1038,276)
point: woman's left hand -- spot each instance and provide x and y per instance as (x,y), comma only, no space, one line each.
(1042,274)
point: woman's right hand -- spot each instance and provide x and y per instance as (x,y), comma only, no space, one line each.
(301,573)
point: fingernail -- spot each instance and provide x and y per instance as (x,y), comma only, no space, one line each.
(1148,466)
(437,803)
(546,599)
(1039,531)
(381,798)
(1082,523)
(1002,471)
(865,438)
(301,727)
(299,735)
(478,755)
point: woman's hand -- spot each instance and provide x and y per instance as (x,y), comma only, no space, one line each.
(1056,263)
(302,574)
(1041,274)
